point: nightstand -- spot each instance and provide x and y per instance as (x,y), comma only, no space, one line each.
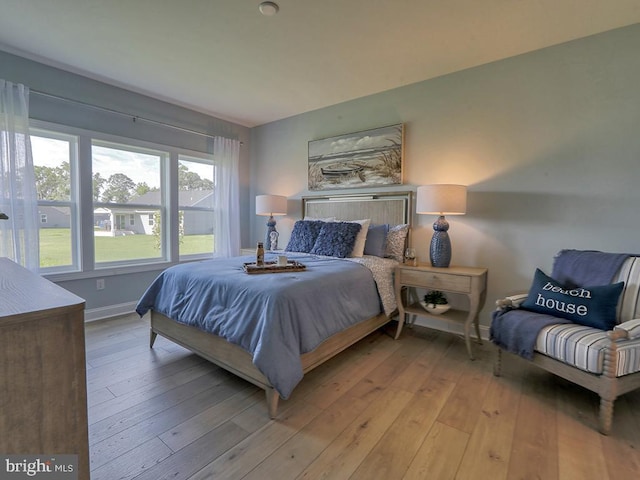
(467,281)
(248,251)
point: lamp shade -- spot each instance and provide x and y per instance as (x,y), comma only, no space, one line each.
(442,199)
(271,205)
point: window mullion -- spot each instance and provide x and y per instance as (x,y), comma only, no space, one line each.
(172,209)
(85,205)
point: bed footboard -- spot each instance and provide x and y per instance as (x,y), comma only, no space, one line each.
(238,361)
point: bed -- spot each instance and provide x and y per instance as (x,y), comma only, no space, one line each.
(334,327)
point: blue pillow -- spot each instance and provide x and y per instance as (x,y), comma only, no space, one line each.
(591,306)
(336,239)
(376,240)
(304,235)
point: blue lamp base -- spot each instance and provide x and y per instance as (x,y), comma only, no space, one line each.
(271,241)
(440,248)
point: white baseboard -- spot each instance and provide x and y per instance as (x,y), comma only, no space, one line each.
(101,313)
(451,327)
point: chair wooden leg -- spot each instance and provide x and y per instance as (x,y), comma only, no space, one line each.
(609,390)
(497,363)
(606,415)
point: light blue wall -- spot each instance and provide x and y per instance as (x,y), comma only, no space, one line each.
(120,288)
(548,143)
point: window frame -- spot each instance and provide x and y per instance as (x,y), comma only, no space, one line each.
(82,211)
(58,132)
(205,160)
(128,145)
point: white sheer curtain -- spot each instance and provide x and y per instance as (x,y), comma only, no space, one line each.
(226,154)
(18,196)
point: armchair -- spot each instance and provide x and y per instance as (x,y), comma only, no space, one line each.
(582,324)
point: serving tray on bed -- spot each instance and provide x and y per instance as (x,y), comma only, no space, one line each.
(273,267)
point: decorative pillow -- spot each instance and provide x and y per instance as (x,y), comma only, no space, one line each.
(336,239)
(361,239)
(303,236)
(395,242)
(591,306)
(376,240)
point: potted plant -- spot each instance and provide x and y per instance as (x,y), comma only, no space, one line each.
(435,302)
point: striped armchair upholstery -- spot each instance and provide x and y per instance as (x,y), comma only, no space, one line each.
(607,363)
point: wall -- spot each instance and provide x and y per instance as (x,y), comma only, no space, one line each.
(120,288)
(548,143)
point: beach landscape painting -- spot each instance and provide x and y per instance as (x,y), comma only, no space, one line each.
(361,159)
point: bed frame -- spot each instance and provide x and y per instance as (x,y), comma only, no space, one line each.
(392,208)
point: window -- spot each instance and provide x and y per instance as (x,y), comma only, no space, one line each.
(195,202)
(129,222)
(54,158)
(127,187)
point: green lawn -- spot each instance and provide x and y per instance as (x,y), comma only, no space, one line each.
(55,247)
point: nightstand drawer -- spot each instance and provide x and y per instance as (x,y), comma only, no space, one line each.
(436,281)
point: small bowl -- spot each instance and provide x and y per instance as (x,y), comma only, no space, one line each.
(434,309)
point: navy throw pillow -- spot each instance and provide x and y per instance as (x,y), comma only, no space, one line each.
(336,239)
(376,240)
(591,306)
(304,235)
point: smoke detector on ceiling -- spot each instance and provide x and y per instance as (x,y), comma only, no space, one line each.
(268,8)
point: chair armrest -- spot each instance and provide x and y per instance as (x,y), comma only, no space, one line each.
(512,301)
(629,329)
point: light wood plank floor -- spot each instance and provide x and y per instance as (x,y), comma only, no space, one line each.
(415,408)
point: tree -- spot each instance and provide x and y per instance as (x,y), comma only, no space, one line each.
(53,183)
(142,188)
(119,189)
(156,231)
(98,185)
(188,180)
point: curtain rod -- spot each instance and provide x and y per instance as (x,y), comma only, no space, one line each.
(134,118)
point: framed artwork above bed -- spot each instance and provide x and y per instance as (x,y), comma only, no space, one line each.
(369,158)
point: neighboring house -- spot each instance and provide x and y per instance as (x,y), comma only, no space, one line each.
(54,217)
(127,221)
(191,220)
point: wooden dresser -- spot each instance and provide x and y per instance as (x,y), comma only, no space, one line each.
(43,391)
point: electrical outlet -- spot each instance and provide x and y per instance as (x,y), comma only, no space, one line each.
(100,284)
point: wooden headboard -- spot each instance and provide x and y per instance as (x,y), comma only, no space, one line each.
(391,208)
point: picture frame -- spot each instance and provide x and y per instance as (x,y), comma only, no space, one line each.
(368,158)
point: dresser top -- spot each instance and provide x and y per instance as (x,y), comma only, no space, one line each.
(22,291)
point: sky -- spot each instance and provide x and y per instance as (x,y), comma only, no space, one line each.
(140,167)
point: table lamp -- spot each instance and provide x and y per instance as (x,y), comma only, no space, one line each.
(441,200)
(271,205)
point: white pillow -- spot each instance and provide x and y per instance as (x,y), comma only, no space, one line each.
(361,238)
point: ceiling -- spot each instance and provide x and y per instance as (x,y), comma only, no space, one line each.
(223,58)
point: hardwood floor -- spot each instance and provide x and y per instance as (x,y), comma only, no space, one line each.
(413,408)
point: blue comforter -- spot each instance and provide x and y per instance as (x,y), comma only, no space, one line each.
(276,317)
